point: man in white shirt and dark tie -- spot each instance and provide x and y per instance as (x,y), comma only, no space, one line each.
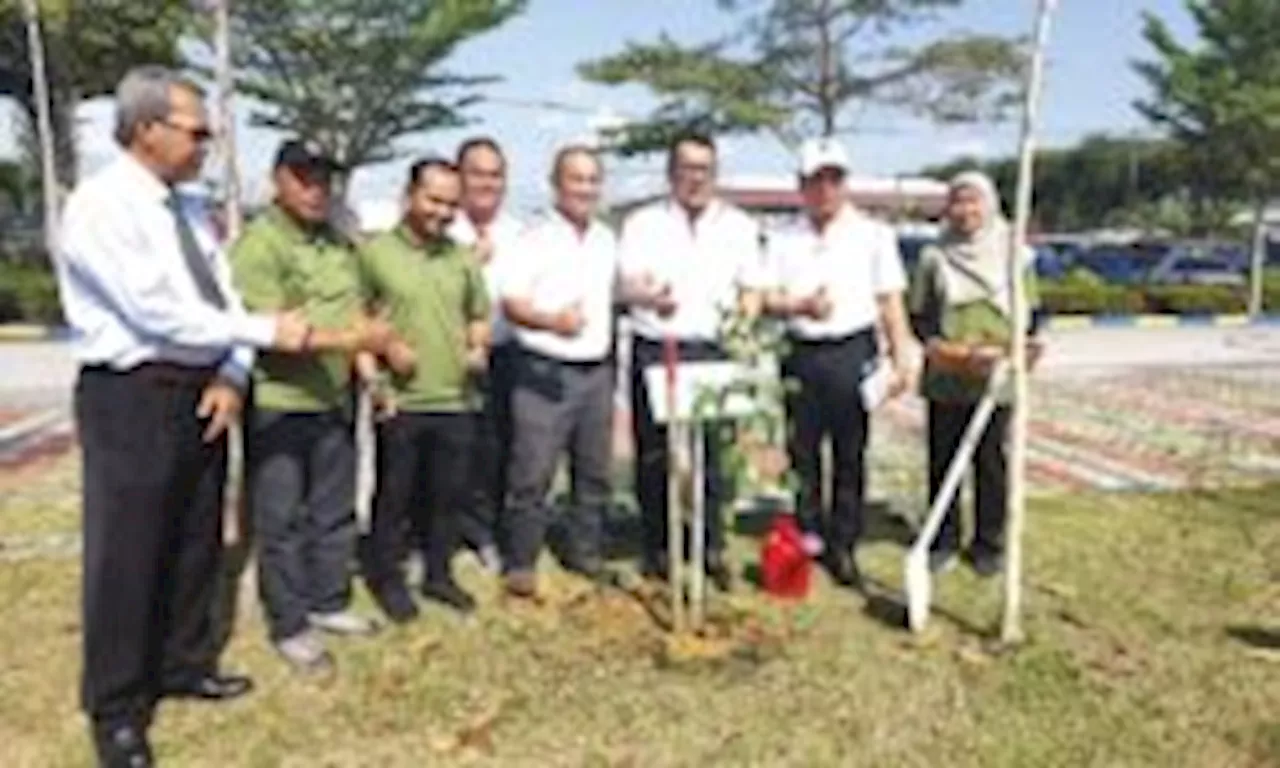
(685,262)
(491,231)
(164,348)
(559,297)
(835,282)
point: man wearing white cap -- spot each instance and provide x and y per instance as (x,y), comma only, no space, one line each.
(836,282)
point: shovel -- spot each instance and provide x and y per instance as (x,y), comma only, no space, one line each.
(917,579)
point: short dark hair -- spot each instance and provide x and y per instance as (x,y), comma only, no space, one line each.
(420,168)
(479,142)
(569,150)
(697,138)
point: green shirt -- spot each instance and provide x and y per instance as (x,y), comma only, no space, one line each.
(431,293)
(278,265)
(979,322)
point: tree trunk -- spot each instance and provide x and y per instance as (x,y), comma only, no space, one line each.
(1259,257)
(66,160)
(827,62)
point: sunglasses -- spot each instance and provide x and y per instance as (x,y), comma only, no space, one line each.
(199,134)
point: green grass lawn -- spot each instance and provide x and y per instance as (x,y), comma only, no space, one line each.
(1144,616)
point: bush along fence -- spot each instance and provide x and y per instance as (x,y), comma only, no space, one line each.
(29,298)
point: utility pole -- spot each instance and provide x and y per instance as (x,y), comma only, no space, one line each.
(44,123)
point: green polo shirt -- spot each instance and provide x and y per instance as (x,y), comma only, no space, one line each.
(279,265)
(431,293)
(977,322)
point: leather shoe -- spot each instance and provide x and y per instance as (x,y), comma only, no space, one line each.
(844,570)
(720,573)
(450,594)
(123,746)
(208,687)
(655,568)
(395,601)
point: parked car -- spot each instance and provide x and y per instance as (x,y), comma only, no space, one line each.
(1192,264)
(1121,264)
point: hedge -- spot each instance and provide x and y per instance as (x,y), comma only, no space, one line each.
(28,294)
(1077,295)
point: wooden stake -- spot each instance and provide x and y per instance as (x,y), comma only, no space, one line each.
(1011,625)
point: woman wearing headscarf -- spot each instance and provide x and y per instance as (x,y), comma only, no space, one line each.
(961,306)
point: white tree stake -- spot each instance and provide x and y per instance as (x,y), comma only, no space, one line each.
(44,124)
(1011,626)
(226,117)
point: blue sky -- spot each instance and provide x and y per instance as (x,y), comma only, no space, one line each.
(1089,88)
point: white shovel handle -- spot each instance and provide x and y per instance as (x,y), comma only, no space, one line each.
(960,461)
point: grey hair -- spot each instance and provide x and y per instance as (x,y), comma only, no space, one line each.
(143,97)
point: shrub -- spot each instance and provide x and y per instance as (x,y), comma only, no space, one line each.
(1081,297)
(1196,299)
(29,294)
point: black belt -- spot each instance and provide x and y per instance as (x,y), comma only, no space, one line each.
(831,341)
(157,372)
(559,361)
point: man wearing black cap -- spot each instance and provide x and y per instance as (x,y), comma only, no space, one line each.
(299,448)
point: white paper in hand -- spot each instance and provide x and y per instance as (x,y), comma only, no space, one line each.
(875,386)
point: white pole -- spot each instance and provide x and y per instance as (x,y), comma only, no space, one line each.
(1011,626)
(698,548)
(44,123)
(226,116)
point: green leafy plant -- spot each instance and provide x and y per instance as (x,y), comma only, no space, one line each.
(752,446)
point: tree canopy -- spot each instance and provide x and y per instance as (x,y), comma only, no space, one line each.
(801,67)
(1220,97)
(356,75)
(89,45)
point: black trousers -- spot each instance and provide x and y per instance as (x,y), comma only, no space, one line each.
(559,406)
(421,456)
(481,521)
(301,484)
(152,498)
(828,404)
(947,423)
(651,455)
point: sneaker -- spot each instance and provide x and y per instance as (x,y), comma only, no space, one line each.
(450,594)
(395,601)
(305,651)
(942,560)
(986,563)
(344,623)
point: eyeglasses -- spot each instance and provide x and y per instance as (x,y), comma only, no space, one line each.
(198,134)
(693,169)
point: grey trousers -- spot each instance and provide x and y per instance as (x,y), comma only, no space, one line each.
(301,486)
(557,406)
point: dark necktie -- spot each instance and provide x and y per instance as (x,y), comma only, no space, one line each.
(197,264)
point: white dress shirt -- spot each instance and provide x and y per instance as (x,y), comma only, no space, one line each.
(504,232)
(127,292)
(557,268)
(706,262)
(856,259)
